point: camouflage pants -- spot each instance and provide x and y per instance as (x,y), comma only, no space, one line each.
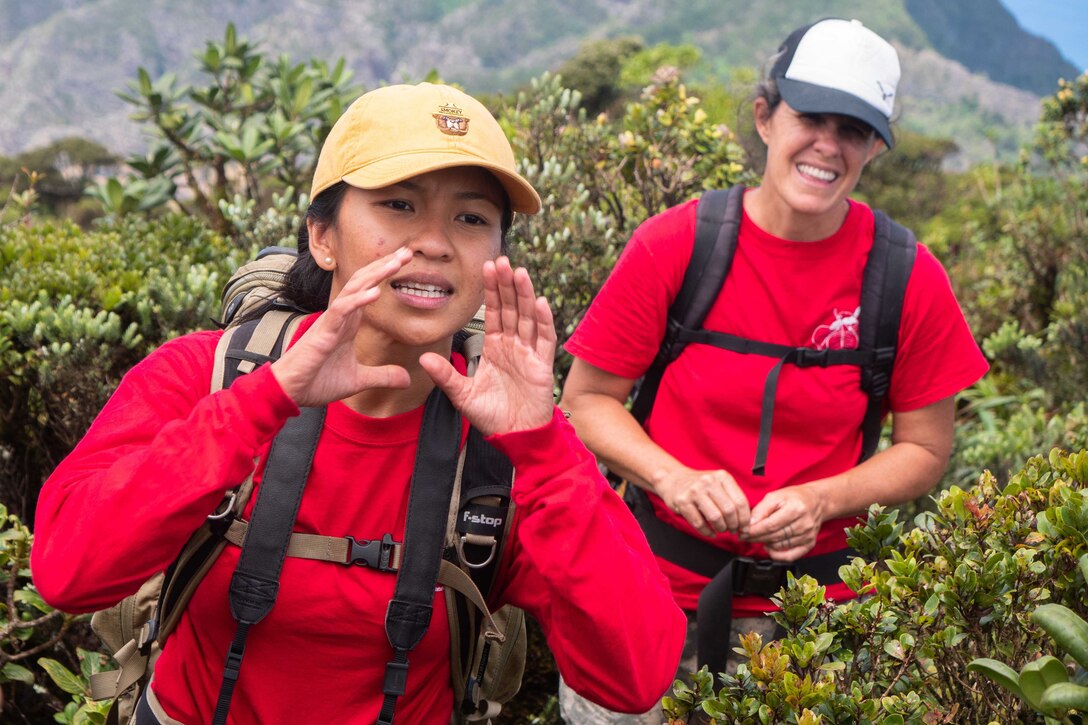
(576,710)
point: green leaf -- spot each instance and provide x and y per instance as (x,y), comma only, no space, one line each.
(999,672)
(31,597)
(62,676)
(16,673)
(1037,676)
(1065,696)
(1066,628)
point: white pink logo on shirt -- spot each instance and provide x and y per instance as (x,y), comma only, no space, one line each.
(842,334)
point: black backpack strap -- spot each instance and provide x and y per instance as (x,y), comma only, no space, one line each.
(802,357)
(484,509)
(255,582)
(409,612)
(729,575)
(717,223)
(883,287)
(482,521)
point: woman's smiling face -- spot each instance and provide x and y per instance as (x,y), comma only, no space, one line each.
(814,160)
(450,219)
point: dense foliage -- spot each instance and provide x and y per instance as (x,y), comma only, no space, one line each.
(78,308)
(960,585)
(76,311)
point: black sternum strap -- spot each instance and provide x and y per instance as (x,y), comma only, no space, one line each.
(409,612)
(802,357)
(255,582)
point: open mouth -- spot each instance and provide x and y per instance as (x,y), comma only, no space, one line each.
(419,289)
(817,173)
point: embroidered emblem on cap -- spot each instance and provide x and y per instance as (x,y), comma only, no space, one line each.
(451,120)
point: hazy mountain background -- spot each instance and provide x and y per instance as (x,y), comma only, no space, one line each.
(971,73)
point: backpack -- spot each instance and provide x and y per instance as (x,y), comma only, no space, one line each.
(456,534)
(887,270)
(884,283)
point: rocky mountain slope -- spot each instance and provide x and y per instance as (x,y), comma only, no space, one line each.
(62,61)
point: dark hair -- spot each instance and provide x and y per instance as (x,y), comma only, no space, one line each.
(767,88)
(307,286)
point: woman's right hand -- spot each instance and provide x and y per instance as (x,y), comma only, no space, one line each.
(322,366)
(711,501)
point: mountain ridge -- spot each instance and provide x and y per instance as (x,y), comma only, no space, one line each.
(62,61)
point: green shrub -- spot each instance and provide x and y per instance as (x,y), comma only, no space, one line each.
(959,586)
(599,178)
(1045,683)
(77,310)
(28,628)
(251,131)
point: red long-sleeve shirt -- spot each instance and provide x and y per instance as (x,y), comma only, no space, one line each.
(159,458)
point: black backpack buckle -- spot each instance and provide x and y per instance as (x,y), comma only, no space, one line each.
(374,554)
(758,577)
(808,358)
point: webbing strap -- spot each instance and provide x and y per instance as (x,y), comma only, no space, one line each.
(714,616)
(454,577)
(717,223)
(409,613)
(133,665)
(729,574)
(884,285)
(255,582)
(801,357)
(335,549)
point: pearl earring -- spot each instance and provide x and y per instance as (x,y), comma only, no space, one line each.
(328,260)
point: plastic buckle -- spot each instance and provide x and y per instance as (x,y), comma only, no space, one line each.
(147,636)
(883,356)
(396,678)
(758,577)
(374,554)
(234,663)
(808,358)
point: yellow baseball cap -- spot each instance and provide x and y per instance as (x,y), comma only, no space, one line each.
(394,133)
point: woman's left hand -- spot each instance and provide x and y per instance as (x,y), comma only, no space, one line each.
(786,522)
(512,389)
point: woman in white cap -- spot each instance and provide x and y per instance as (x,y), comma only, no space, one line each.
(732,501)
(411,200)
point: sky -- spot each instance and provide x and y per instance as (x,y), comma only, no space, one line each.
(1062,22)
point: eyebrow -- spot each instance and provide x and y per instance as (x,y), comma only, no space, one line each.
(462,195)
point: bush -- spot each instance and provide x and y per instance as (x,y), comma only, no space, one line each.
(30,627)
(959,586)
(77,310)
(252,130)
(601,177)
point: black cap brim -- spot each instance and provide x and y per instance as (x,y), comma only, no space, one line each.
(809,98)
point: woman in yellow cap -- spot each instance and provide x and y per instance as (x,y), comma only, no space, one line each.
(412,197)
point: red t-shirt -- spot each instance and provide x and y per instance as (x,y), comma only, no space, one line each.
(707,410)
(159,458)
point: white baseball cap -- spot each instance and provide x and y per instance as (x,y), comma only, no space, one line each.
(839,66)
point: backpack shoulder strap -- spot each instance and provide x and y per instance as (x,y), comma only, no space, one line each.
(246,346)
(883,287)
(717,224)
(481,515)
(240,349)
(409,613)
(255,583)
